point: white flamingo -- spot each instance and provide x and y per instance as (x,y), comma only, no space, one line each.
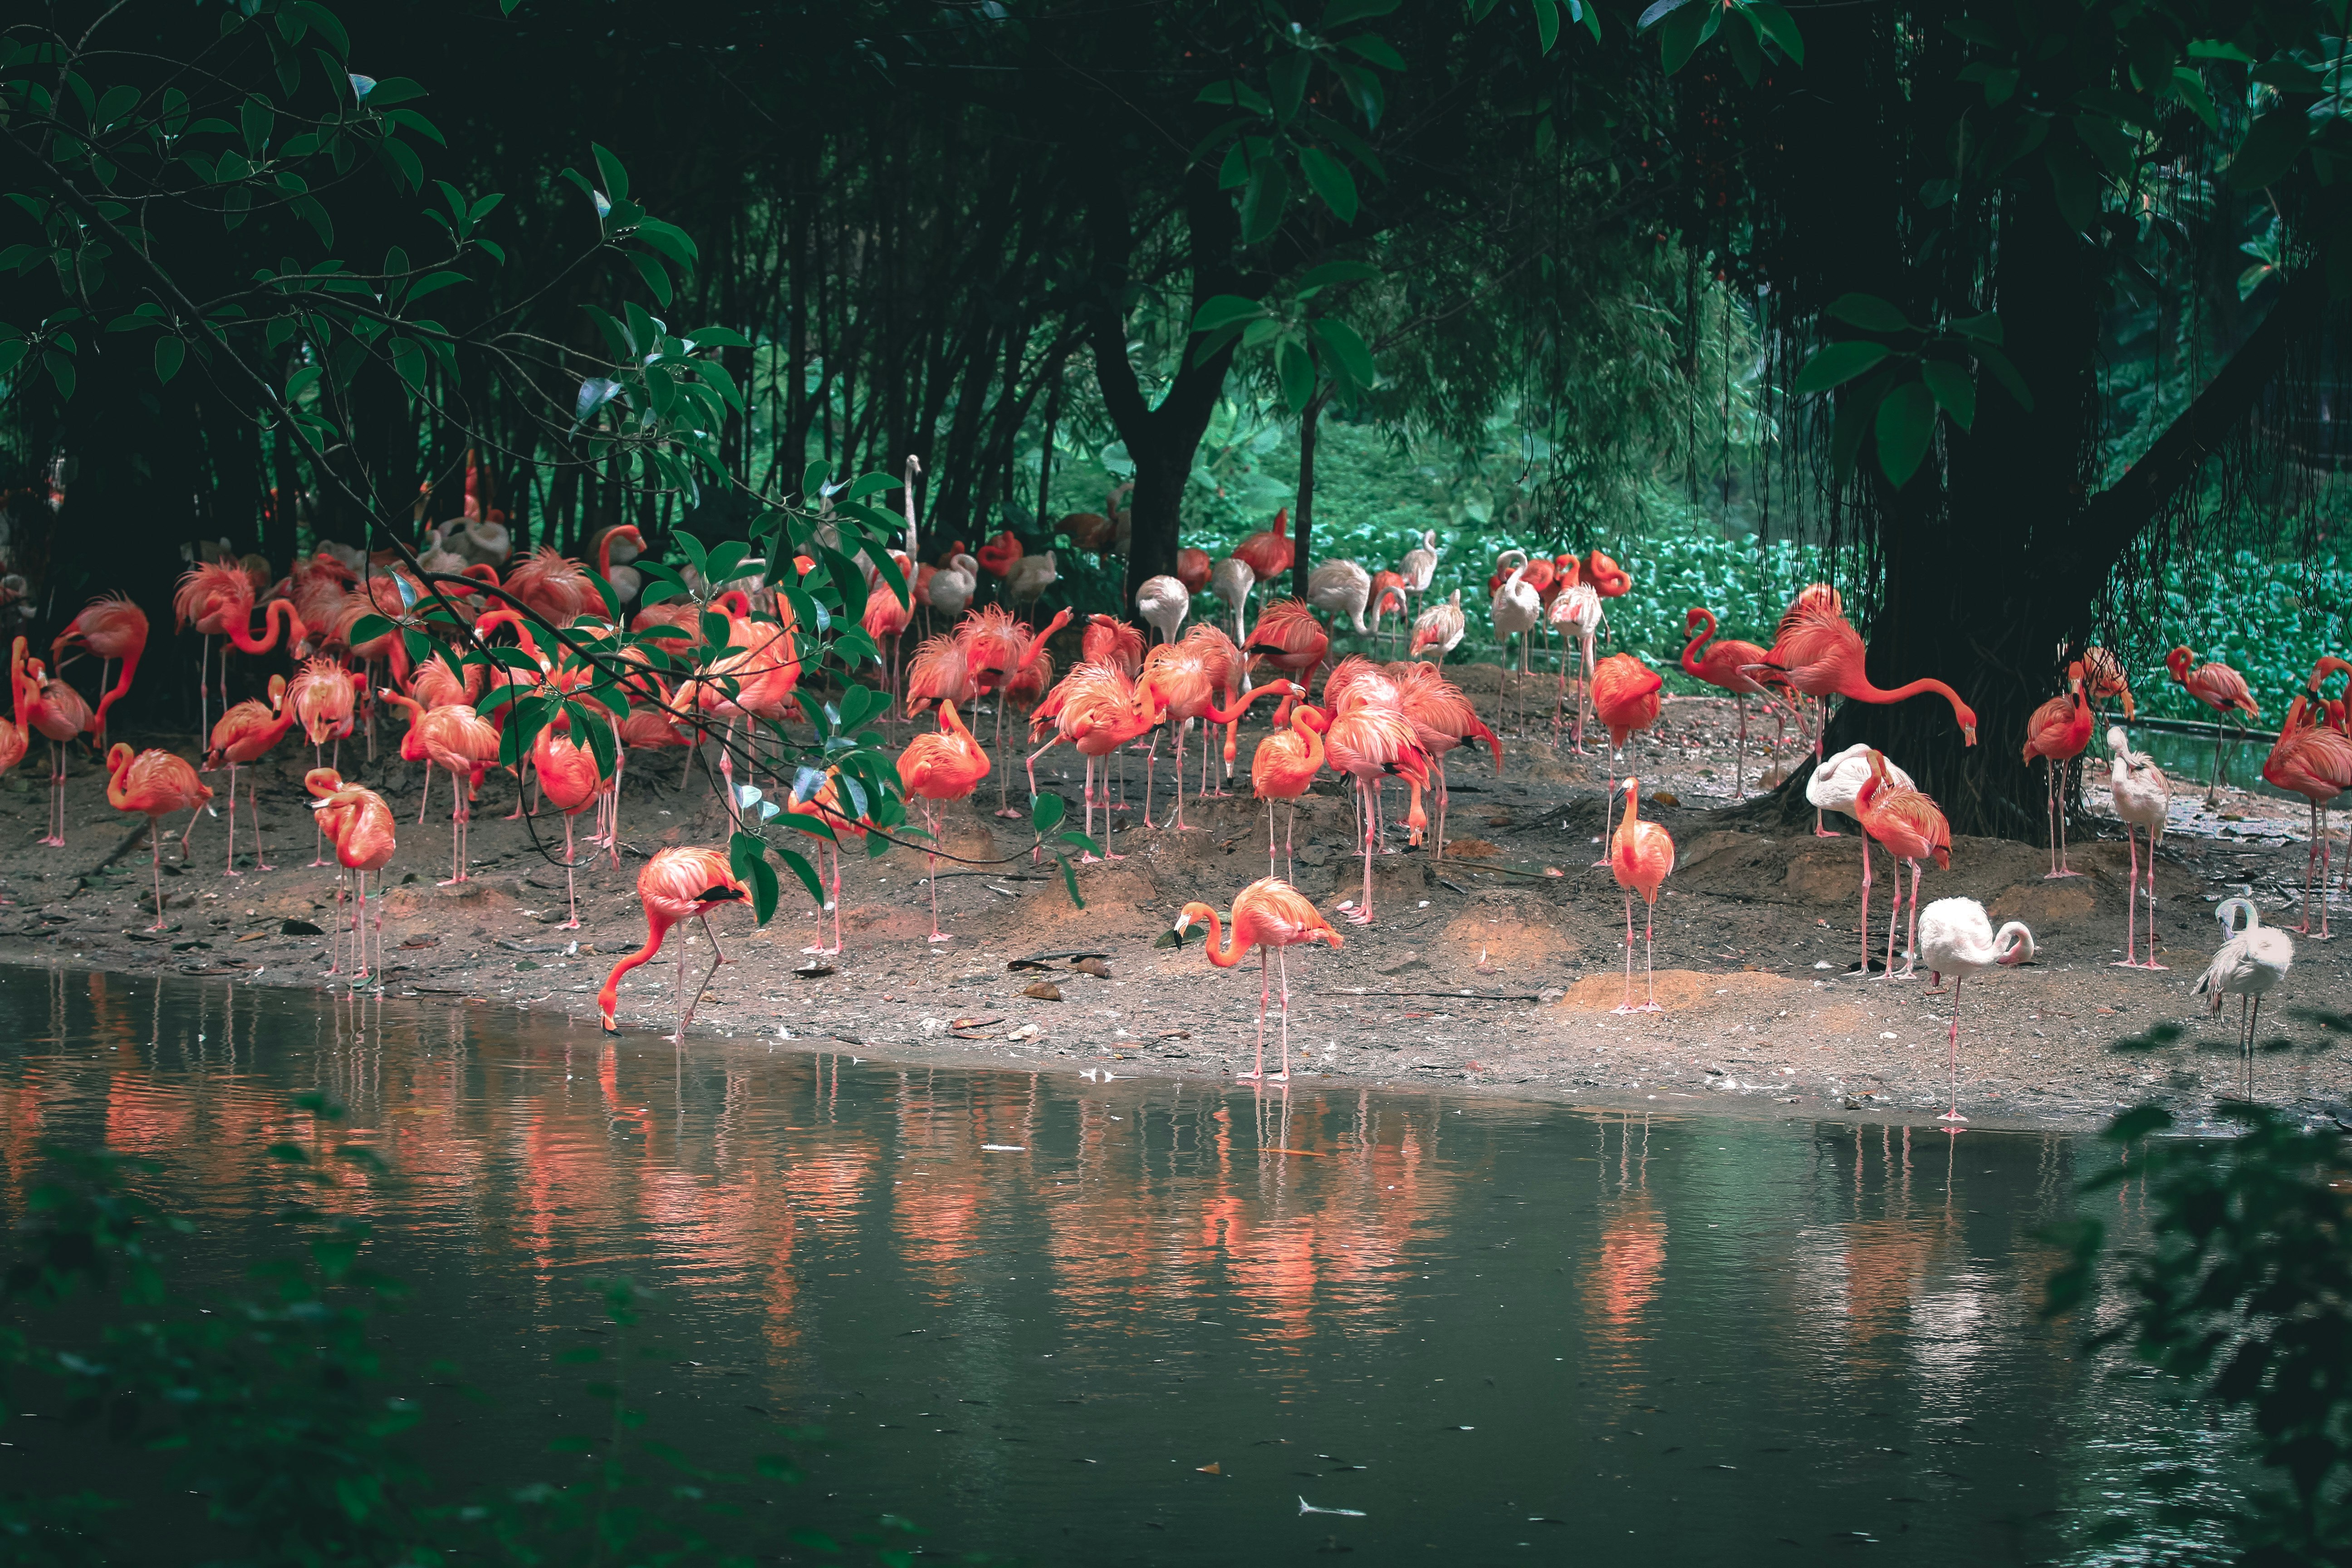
(1030,577)
(1163,601)
(2249,966)
(2142,796)
(1419,567)
(1440,626)
(1576,610)
(1515,609)
(1956,938)
(1341,588)
(953,586)
(1232,581)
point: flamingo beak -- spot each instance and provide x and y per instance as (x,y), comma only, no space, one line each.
(1970,733)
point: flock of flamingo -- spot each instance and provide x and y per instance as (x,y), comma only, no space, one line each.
(1369,723)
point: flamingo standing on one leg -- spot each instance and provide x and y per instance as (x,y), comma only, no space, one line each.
(1956,938)
(684,882)
(56,711)
(1913,829)
(2249,966)
(155,784)
(997,648)
(245,734)
(1626,699)
(1724,662)
(1109,640)
(568,773)
(2056,733)
(112,628)
(361,823)
(2142,796)
(462,742)
(1268,913)
(1641,856)
(1418,567)
(947,765)
(2222,689)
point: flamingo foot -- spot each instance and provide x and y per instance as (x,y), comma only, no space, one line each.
(1008,812)
(451,882)
(572,924)
(231,872)
(1358,917)
(836,952)
(1248,1077)
(1628,1007)
(2057,876)
(1278,1078)
(935,936)
(2138,963)
(1951,1116)
(1827,833)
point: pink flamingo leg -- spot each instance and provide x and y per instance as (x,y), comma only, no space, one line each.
(1282,960)
(571,895)
(1627,1004)
(1865,968)
(930,826)
(155,860)
(1649,967)
(319,827)
(232,870)
(456,832)
(359,929)
(1181,741)
(253,810)
(1265,991)
(1362,913)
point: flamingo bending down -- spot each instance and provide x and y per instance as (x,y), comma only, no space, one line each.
(1441,718)
(1956,938)
(2222,689)
(1823,657)
(998,650)
(57,711)
(2142,796)
(1724,662)
(245,734)
(2103,678)
(155,784)
(2249,966)
(112,628)
(1641,856)
(2315,761)
(1193,568)
(2056,733)
(947,765)
(684,882)
(1913,829)
(1440,626)
(1163,601)
(1835,785)
(1341,588)
(361,823)
(1268,913)
(1232,581)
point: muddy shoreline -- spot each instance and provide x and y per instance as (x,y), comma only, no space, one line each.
(1484,974)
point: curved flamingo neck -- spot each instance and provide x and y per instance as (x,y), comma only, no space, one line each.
(271,624)
(656,929)
(1861,690)
(1037,644)
(1232,715)
(604,548)
(1231,953)
(1705,633)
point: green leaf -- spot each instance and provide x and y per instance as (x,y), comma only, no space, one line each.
(1046,811)
(1348,351)
(1869,312)
(1296,368)
(2269,148)
(1834,365)
(1777,24)
(61,371)
(1287,76)
(608,169)
(1329,179)
(1223,310)
(1984,328)
(1070,881)
(1262,201)
(169,352)
(391,90)
(1955,390)
(1340,12)
(656,277)
(800,868)
(1905,424)
(1680,34)
(1547,25)
(1375,49)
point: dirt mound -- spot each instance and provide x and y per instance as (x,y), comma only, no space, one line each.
(1679,990)
(1516,934)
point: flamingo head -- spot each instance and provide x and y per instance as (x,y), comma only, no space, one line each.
(1694,617)
(117,757)
(2017,951)
(276,691)
(1968,716)
(2177,662)
(1191,913)
(2074,675)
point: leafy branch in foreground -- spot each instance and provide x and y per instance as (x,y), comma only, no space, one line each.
(2244,1295)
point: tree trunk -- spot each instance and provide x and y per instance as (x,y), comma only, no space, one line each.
(1310,426)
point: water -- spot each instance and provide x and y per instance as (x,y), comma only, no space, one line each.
(2188,762)
(1495,1329)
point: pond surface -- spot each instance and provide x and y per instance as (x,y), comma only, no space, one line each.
(1132,1321)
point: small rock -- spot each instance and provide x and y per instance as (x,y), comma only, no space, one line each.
(1043,990)
(300,927)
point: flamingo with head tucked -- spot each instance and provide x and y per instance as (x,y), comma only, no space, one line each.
(947,765)
(2057,733)
(1913,829)
(154,784)
(1956,938)
(1097,710)
(56,711)
(361,823)
(1641,857)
